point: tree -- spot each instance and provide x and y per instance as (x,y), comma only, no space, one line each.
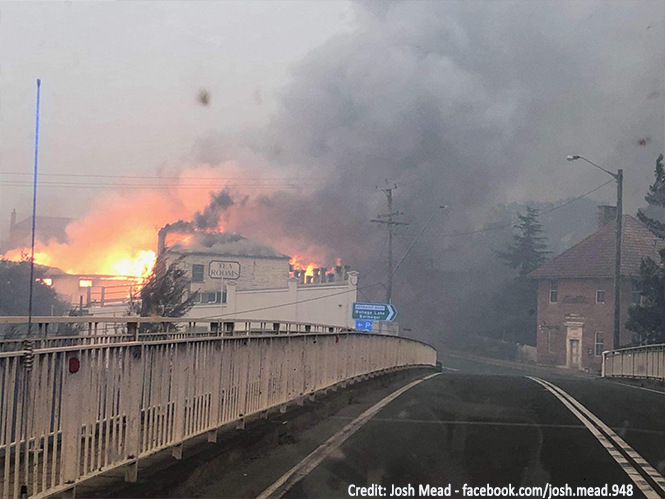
(529,248)
(648,319)
(14,290)
(164,292)
(515,302)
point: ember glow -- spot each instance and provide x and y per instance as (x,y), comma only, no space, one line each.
(298,264)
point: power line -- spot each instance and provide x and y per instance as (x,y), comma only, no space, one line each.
(86,175)
(156,187)
(509,225)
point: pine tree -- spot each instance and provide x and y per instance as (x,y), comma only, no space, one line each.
(529,248)
(164,292)
(515,302)
(648,319)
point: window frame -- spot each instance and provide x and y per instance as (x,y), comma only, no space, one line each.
(551,341)
(641,300)
(596,343)
(194,274)
(554,292)
(604,292)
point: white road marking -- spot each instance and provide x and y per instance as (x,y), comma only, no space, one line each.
(304,467)
(657,477)
(610,444)
(449,368)
(640,388)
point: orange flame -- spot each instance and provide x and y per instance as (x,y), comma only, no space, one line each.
(118,236)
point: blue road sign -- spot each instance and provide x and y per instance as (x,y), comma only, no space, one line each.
(363,325)
(374,311)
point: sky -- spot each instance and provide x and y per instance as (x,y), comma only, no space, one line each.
(120,82)
(470,104)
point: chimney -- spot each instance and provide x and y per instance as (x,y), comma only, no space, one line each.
(338,273)
(347,268)
(309,279)
(322,273)
(317,276)
(331,277)
(161,240)
(606,214)
(12,221)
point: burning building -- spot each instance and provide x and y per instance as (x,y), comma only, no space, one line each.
(47,229)
(212,260)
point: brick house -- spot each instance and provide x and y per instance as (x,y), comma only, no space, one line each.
(576,292)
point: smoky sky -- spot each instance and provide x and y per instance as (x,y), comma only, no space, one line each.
(467,104)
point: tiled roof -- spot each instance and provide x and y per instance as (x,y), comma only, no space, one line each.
(595,255)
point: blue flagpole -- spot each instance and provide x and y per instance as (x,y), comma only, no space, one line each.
(34,212)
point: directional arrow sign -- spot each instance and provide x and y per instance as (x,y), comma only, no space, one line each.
(374,311)
(362,325)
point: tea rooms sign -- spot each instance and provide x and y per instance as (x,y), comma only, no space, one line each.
(224,270)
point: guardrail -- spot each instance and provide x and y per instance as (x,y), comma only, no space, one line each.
(69,413)
(647,362)
(93,330)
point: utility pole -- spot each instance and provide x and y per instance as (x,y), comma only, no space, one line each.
(617,268)
(391,224)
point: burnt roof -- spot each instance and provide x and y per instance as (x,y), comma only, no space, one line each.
(595,256)
(226,244)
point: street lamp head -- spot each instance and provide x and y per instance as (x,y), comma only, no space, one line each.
(573,157)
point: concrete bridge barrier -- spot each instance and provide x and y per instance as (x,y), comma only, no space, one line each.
(104,400)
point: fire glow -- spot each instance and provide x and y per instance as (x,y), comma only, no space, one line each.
(118,235)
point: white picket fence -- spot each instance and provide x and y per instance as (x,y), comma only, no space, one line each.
(645,362)
(87,408)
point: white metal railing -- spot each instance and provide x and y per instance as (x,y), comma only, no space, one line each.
(97,330)
(635,362)
(84,409)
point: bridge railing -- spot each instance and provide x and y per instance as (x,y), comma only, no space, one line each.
(647,362)
(47,331)
(69,413)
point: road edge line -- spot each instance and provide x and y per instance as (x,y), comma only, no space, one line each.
(283,484)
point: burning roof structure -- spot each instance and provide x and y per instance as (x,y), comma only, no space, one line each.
(221,243)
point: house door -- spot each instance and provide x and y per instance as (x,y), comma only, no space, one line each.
(573,347)
(574,361)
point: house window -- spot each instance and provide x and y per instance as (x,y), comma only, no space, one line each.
(554,292)
(600,296)
(551,341)
(197,272)
(85,283)
(48,281)
(599,344)
(638,299)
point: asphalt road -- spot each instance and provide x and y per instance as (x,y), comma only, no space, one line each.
(475,424)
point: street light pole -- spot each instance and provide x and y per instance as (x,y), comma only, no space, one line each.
(618,176)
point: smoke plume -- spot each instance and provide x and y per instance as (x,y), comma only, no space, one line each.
(463,103)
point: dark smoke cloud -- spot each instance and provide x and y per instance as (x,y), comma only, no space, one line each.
(209,218)
(463,103)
